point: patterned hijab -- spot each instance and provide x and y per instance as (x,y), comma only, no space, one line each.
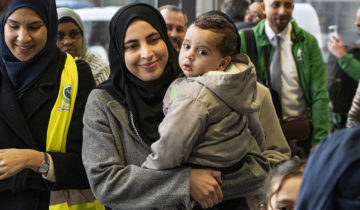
(23,74)
(143,99)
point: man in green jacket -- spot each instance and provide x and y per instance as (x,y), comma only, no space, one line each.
(302,77)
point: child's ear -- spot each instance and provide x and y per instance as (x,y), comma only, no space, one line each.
(224,63)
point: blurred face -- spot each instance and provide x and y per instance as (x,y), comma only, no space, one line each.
(176,28)
(278,13)
(255,13)
(69,39)
(3,6)
(357,21)
(286,198)
(146,54)
(199,54)
(25,33)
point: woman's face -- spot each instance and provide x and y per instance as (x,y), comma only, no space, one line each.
(25,33)
(286,198)
(145,52)
(69,39)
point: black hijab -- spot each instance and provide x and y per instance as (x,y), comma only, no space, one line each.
(331,177)
(24,74)
(143,99)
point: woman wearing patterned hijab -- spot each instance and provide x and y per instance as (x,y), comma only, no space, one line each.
(71,39)
(31,71)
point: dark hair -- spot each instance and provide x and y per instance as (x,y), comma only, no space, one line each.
(285,170)
(218,24)
(236,9)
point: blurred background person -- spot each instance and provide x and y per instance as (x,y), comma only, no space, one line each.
(3,6)
(236,10)
(71,39)
(343,71)
(289,61)
(176,23)
(255,13)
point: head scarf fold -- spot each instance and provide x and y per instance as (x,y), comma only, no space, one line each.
(142,98)
(64,13)
(331,177)
(23,74)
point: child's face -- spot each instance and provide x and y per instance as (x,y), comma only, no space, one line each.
(198,53)
(287,195)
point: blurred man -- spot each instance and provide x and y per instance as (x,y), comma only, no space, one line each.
(343,65)
(290,63)
(255,13)
(3,6)
(176,22)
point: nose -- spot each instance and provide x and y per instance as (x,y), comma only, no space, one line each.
(282,10)
(67,40)
(173,33)
(24,35)
(146,52)
(190,55)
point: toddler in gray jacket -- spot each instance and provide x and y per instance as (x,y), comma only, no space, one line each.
(207,122)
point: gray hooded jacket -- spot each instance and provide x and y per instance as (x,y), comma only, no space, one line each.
(206,119)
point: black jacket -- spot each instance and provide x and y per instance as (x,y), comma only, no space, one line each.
(23,124)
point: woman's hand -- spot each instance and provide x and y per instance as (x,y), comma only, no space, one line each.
(14,160)
(205,187)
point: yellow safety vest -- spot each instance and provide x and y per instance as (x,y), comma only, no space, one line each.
(58,127)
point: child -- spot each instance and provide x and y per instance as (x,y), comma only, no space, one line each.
(206,112)
(283,184)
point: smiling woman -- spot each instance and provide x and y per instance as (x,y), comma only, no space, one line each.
(25,34)
(43,94)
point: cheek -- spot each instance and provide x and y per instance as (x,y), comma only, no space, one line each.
(130,60)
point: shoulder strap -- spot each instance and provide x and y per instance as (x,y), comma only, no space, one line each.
(251,45)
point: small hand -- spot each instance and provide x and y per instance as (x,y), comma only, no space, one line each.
(205,188)
(14,160)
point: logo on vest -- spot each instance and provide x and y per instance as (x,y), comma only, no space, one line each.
(65,103)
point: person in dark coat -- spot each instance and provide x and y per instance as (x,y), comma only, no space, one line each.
(31,69)
(331,177)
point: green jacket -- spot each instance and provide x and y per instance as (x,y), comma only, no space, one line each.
(311,70)
(350,65)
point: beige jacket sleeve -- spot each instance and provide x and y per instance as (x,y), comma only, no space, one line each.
(354,112)
(276,148)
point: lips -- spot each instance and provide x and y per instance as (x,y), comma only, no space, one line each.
(150,65)
(24,49)
(186,67)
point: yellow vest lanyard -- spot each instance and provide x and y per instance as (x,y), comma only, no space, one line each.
(58,127)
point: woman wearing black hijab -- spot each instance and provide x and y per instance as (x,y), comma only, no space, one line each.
(31,69)
(121,121)
(122,117)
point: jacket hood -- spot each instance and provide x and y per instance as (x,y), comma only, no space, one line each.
(236,86)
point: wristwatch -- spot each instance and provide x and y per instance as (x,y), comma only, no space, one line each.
(44,167)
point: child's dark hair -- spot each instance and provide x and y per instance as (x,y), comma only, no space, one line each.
(218,24)
(284,171)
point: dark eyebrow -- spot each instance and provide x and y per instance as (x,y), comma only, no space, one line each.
(148,36)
